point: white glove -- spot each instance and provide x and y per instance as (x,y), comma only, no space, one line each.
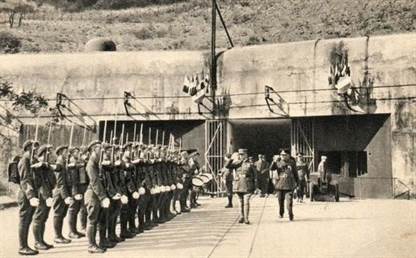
(173,187)
(152,190)
(180,186)
(49,202)
(117,163)
(105,203)
(167,189)
(157,189)
(78,197)
(142,191)
(34,202)
(124,199)
(68,200)
(117,196)
(162,189)
(136,195)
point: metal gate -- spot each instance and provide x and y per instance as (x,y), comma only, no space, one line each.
(215,147)
(302,139)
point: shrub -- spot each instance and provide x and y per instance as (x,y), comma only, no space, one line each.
(9,43)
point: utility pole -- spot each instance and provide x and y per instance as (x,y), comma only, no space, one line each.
(213,70)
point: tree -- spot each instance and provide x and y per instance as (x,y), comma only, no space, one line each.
(24,101)
(13,10)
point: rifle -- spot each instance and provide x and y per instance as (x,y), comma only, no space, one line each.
(112,148)
(36,139)
(103,140)
(46,158)
(121,141)
(141,133)
(83,136)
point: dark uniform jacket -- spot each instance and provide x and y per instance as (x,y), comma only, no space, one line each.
(27,184)
(287,175)
(262,167)
(62,187)
(95,184)
(245,176)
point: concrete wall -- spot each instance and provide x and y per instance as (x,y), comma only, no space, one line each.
(97,81)
(304,67)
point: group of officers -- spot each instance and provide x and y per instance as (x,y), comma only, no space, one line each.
(285,175)
(96,185)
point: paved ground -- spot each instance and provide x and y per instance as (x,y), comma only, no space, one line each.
(369,228)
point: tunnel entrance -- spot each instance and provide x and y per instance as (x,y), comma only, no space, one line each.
(260,136)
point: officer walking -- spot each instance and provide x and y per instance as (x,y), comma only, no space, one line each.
(286,182)
(244,182)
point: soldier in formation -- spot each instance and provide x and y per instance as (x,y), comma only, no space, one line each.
(94,186)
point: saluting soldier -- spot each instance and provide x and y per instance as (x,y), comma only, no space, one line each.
(27,198)
(147,167)
(95,197)
(133,194)
(83,184)
(228,177)
(44,181)
(244,182)
(115,201)
(187,180)
(125,183)
(105,178)
(61,194)
(178,175)
(74,207)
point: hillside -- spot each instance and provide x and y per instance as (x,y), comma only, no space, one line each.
(186,24)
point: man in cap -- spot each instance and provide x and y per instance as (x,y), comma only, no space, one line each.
(132,194)
(187,180)
(114,194)
(95,197)
(303,175)
(324,175)
(44,181)
(61,194)
(142,184)
(286,184)
(73,172)
(244,182)
(262,167)
(104,216)
(27,198)
(83,184)
(228,177)
(125,188)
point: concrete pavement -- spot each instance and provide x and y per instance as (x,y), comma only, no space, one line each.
(367,228)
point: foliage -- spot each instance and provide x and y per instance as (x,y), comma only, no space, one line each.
(25,100)
(9,43)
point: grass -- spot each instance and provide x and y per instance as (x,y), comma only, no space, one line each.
(186,25)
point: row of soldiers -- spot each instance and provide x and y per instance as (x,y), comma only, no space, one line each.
(96,185)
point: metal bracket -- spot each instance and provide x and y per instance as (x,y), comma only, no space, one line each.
(281,104)
(63,103)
